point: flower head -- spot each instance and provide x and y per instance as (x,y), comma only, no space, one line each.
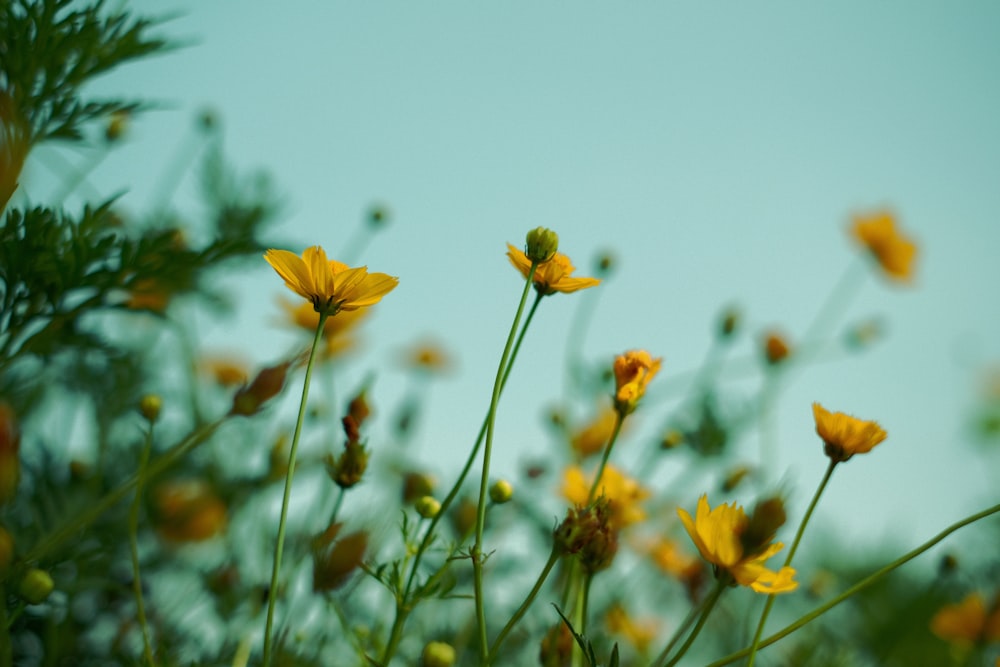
(330,285)
(638,632)
(719,536)
(968,622)
(188,510)
(893,251)
(622,493)
(594,436)
(633,371)
(776,348)
(552,276)
(844,435)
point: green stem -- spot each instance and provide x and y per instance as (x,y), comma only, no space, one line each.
(403,606)
(707,607)
(553,559)
(477,549)
(81,521)
(619,420)
(279,546)
(336,505)
(133,534)
(579,616)
(791,555)
(858,587)
(6,652)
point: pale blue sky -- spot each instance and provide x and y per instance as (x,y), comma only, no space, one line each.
(718,149)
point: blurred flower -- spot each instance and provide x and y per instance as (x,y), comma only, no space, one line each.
(226,371)
(735,477)
(593,437)
(330,285)
(622,493)
(718,534)
(667,555)
(552,276)
(843,435)
(968,622)
(348,469)
(428,357)
(894,251)
(633,371)
(338,329)
(10,460)
(264,387)
(556,649)
(776,348)
(415,485)
(117,125)
(15,142)
(148,294)
(188,510)
(335,559)
(638,633)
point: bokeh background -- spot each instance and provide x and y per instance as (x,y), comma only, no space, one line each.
(716,150)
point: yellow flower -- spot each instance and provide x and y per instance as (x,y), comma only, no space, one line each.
(330,285)
(428,356)
(843,435)
(338,330)
(622,493)
(718,535)
(226,371)
(594,436)
(968,621)
(552,276)
(633,371)
(638,633)
(894,251)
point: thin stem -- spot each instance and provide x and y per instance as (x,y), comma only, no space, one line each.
(789,557)
(579,619)
(77,523)
(279,546)
(858,587)
(619,420)
(707,607)
(133,534)
(553,559)
(477,549)
(6,652)
(403,607)
(336,505)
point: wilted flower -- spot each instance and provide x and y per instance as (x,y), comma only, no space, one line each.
(843,435)
(623,493)
(893,251)
(331,286)
(633,371)
(552,276)
(719,535)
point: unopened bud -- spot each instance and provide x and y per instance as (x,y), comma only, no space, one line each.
(349,468)
(378,216)
(117,126)
(776,349)
(672,439)
(437,654)
(605,264)
(729,323)
(734,478)
(36,586)
(427,507)
(150,406)
(501,491)
(264,387)
(541,245)
(768,516)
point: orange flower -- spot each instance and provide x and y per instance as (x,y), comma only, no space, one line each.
(428,356)
(622,493)
(719,534)
(188,511)
(638,633)
(338,330)
(968,622)
(633,371)
(894,251)
(776,348)
(330,285)
(226,371)
(843,435)
(552,276)
(594,436)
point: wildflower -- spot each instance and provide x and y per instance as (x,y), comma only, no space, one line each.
(10,461)
(633,371)
(552,276)
(718,534)
(622,493)
(15,142)
(437,654)
(843,435)
(335,559)
(968,622)
(776,348)
(330,285)
(639,634)
(188,510)
(593,437)
(893,251)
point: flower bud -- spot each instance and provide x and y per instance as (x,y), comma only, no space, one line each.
(348,469)
(335,559)
(541,245)
(437,654)
(36,586)
(734,478)
(264,387)
(776,348)
(117,126)
(463,516)
(427,507)
(672,439)
(557,646)
(149,407)
(587,533)
(729,323)
(378,216)
(768,516)
(501,491)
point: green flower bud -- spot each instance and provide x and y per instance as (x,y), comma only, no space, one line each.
(541,245)
(149,406)
(437,654)
(427,507)
(501,491)
(36,586)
